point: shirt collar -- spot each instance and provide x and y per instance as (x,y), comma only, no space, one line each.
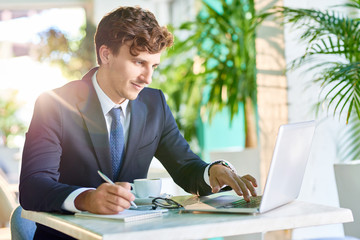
(106,103)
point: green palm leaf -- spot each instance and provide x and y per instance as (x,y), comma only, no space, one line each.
(330,33)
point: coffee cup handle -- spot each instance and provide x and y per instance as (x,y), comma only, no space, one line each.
(133,189)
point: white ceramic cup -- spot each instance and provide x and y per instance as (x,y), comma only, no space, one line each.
(144,188)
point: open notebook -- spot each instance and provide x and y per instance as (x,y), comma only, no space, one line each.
(127,215)
(284,179)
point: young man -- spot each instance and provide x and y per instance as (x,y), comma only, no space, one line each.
(73,135)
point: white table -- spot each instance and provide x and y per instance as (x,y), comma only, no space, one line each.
(180,225)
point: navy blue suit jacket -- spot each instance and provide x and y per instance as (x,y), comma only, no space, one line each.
(67,142)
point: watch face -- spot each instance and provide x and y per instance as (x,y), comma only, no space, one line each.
(225,164)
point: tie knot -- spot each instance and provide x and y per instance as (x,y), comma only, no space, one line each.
(115,113)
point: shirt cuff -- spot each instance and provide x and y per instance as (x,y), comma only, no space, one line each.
(69,203)
(206,175)
(206,171)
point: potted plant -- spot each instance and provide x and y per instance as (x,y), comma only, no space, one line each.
(10,124)
(10,127)
(333,48)
(212,66)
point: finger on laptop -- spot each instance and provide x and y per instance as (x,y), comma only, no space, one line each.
(250,183)
(241,183)
(251,179)
(234,181)
(243,186)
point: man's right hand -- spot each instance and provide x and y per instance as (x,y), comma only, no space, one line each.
(106,199)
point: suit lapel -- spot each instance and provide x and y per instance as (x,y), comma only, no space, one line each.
(91,111)
(136,130)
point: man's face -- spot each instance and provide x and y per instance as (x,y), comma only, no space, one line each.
(123,76)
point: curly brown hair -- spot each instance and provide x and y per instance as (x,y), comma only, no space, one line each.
(135,25)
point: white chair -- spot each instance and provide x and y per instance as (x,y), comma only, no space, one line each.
(348,186)
(7,205)
(7,201)
(10,214)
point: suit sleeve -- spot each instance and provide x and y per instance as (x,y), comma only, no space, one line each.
(39,188)
(185,167)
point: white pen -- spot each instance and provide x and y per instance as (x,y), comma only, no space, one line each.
(108,180)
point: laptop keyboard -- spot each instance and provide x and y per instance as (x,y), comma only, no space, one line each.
(254,203)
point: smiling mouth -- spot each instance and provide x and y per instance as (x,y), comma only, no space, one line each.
(137,86)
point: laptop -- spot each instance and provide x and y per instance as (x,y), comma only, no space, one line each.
(284,179)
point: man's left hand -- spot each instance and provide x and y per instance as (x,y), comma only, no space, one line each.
(221,176)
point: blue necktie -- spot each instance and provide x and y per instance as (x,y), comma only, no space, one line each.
(117,145)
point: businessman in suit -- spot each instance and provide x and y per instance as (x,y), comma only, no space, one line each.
(75,130)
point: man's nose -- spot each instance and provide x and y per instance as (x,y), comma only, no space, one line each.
(146,76)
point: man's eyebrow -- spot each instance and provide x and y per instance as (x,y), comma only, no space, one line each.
(139,59)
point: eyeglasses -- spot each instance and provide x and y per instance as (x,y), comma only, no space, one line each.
(165,203)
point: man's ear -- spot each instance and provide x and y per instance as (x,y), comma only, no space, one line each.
(104,53)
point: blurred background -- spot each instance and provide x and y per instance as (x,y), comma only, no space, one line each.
(230,79)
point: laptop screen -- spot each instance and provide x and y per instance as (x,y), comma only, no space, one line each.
(288,164)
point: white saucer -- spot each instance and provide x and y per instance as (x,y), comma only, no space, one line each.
(143,201)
